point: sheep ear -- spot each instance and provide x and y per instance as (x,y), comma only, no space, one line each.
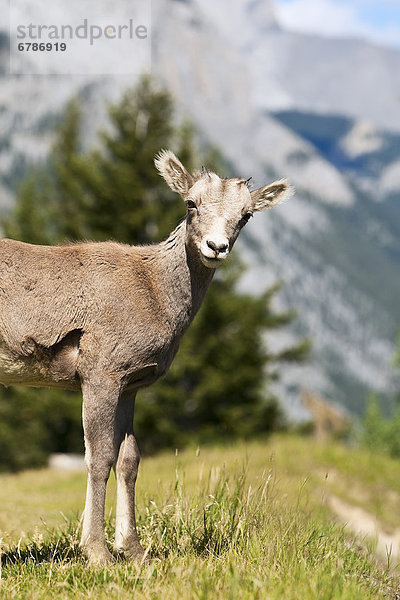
(173,171)
(270,195)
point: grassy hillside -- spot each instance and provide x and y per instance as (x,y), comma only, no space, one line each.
(236,522)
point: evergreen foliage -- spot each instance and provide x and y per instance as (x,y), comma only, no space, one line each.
(379,433)
(218,383)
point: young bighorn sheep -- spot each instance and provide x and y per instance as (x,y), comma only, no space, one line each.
(107,318)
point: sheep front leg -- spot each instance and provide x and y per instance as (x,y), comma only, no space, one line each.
(100,402)
(126,469)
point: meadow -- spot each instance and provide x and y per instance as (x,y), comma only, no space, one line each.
(241,521)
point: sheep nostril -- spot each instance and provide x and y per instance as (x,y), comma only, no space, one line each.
(217,248)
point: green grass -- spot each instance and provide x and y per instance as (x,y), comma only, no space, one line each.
(229,522)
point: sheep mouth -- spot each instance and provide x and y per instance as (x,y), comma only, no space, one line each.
(212,263)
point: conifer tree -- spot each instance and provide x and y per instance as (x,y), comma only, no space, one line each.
(218,383)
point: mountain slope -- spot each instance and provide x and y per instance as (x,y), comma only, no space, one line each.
(311,73)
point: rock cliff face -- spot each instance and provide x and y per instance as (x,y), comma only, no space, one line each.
(325,113)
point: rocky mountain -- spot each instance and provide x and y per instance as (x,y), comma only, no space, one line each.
(325,113)
(310,73)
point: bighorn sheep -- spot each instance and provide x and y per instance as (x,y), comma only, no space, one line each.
(107,319)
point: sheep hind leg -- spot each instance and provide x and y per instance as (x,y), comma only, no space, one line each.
(126,469)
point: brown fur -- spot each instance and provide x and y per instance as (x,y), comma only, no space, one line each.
(107,318)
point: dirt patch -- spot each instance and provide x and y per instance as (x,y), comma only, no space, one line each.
(364,524)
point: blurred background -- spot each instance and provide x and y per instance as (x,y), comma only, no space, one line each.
(307,311)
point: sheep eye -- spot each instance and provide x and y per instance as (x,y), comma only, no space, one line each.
(246,217)
(191,204)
